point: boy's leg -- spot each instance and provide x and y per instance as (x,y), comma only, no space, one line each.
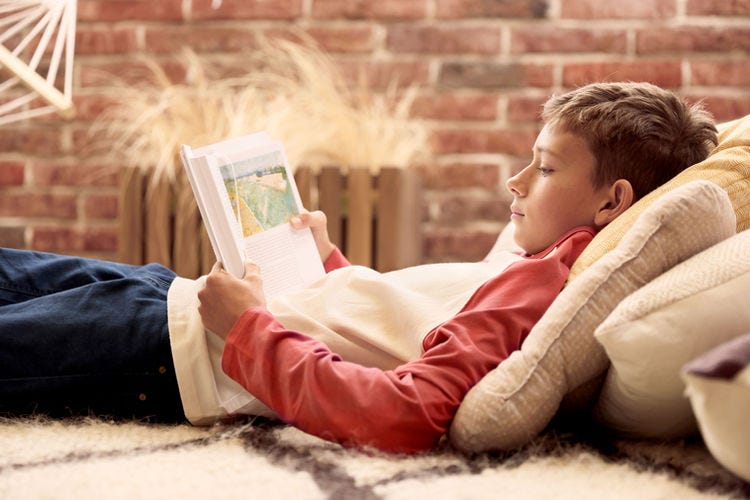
(80,336)
(28,274)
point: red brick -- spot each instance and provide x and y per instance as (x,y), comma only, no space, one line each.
(62,206)
(461,207)
(247,9)
(725,108)
(662,73)
(689,39)
(39,142)
(488,75)
(512,142)
(718,8)
(126,72)
(74,239)
(55,239)
(368,9)
(12,173)
(101,41)
(100,206)
(12,237)
(169,39)
(380,74)
(525,109)
(530,39)
(456,106)
(344,38)
(720,73)
(100,239)
(118,10)
(452,244)
(455,9)
(632,9)
(461,175)
(73,175)
(443,40)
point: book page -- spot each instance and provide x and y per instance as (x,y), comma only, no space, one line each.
(283,270)
(260,197)
(235,145)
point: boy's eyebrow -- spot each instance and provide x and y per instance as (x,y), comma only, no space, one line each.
(543,149)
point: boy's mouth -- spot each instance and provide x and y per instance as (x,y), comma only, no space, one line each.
(514,212)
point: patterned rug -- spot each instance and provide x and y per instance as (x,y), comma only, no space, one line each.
(89,458)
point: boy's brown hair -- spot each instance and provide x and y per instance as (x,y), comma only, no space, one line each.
(636,131)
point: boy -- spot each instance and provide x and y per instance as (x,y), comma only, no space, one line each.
(361,358)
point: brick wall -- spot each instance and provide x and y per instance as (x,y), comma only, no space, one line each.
(483,67)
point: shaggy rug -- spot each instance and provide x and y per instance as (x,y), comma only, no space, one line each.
(91,458)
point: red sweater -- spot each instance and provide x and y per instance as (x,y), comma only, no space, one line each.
(409,408)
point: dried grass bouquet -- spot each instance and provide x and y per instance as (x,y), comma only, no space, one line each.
(292,90)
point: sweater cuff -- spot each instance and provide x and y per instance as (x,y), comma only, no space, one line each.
(335,261)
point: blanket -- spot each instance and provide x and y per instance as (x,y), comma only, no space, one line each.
(94,458)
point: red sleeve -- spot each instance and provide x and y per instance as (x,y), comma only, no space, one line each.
(409,408)
(335,260)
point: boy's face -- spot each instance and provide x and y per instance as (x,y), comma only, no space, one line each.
(555,192)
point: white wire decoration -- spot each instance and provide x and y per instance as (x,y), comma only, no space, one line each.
(35,34)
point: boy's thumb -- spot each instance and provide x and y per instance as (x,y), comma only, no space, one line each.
(251,266)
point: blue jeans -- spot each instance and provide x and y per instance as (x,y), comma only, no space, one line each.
(83,336)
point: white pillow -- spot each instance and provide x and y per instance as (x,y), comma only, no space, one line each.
(516,400)
(718,384)
(690,309)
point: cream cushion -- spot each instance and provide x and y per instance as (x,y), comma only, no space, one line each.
(516,400)
(718,385)
(687,311)
(728,166)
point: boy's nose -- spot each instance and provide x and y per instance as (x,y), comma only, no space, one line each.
(514,184)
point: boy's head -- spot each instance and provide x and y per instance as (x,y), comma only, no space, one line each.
(636,131)
(602,147)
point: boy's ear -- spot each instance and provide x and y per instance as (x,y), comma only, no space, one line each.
(619,197)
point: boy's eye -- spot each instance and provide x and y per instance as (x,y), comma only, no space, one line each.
(543,171)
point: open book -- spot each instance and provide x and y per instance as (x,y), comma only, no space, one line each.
(246,195)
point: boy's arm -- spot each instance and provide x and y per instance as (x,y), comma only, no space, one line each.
(406,409)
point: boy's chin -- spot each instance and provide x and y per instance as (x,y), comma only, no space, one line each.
(529,247)
(530,242)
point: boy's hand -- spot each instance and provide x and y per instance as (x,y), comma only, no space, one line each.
(225,297)
(317,222)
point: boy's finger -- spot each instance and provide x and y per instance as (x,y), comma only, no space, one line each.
(297,221)
(251,267)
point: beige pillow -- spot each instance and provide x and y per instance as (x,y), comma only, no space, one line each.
(718,384)
(516,400)
(728,165)
(683,313)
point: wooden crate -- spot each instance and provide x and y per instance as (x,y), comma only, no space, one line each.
(374,219)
